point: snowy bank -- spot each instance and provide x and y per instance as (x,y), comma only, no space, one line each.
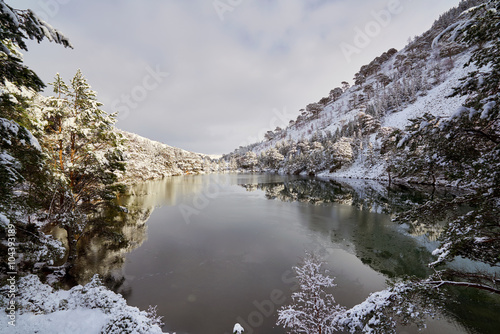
(83,309)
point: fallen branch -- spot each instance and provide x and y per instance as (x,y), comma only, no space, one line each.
(464,284)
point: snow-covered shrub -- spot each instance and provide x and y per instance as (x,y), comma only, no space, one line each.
(95,295)
(46,249)
(112,311)
(129,321)
(35,297)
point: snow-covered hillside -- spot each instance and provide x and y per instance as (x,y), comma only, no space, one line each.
(149,160)
(350,132)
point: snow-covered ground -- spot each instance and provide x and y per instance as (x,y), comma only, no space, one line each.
(358,170)
(435,102)
(85,309)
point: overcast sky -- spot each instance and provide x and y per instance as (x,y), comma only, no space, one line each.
(209,76)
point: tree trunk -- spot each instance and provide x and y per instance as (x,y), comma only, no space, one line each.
(61,162)
(72,244)
(72,159)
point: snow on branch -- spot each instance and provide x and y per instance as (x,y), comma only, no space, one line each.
(464,284)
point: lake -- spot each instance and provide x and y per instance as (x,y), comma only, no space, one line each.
(213,250)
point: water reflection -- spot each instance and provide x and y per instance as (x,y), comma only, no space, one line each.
(244,233)
(379,243)
(358,225)
(103,248)
(117,232)
(364,195)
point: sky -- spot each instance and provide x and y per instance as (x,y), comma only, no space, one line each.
(209,76)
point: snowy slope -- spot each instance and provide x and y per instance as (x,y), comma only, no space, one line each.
(393,89)
(436,101)
(149,160)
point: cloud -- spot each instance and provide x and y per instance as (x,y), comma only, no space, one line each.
(226,77)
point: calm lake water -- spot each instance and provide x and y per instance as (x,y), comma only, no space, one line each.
(214,250)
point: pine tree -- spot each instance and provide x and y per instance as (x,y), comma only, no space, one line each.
(482,86)
(273,158)
(314,109)
(16,26)
(24,173)
(21,159)
(85,154)
(336,93)
(464,149)
(249,161)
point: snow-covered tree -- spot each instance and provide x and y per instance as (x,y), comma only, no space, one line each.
(85,154)
(16,26)
(233,164)
(422,151)
(340,153)
(464,149)
(238,329)
(336,93)
(482,86)
(20,154)
(324,100)
(450,49)
(313,310)
(368,123)
(249,161)
(269,135)
(345,86)
(314,108)
(22,168)
(273,158)
(25,175)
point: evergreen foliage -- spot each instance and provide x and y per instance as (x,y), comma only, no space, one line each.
(59,156)
(85,154)
(21,161)
(465,148)
(17,26)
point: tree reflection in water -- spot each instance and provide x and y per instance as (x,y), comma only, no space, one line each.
(340,216)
